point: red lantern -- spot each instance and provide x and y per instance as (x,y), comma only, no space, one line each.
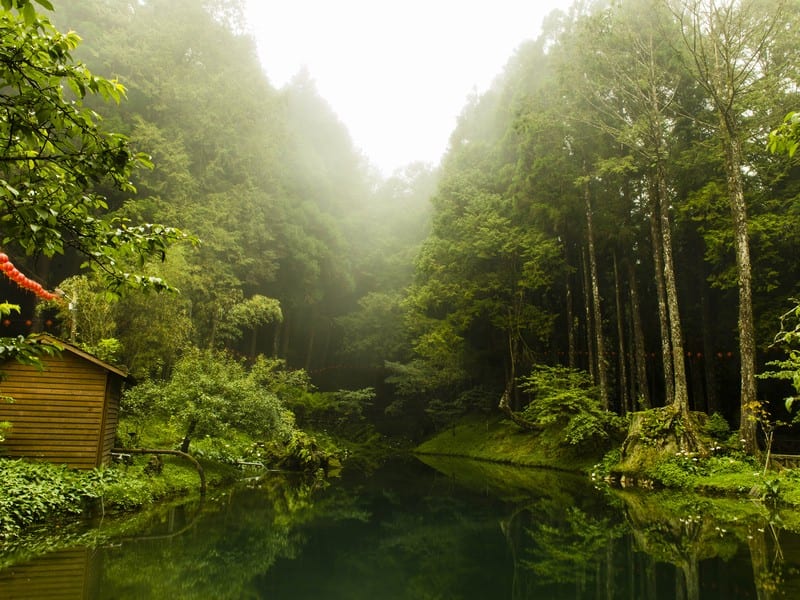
(6,322)
(28,323)
(3,257)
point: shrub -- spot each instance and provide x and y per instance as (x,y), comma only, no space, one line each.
(568,399)
(717,427)
(32,492)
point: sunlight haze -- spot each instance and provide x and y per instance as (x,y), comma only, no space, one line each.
(396,73)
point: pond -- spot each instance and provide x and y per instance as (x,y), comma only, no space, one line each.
(442,529)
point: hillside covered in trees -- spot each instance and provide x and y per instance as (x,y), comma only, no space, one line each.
(609,205)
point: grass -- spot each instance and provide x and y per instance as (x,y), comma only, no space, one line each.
(497,439)
(730,474)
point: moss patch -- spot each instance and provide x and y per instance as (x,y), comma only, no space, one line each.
(497,439)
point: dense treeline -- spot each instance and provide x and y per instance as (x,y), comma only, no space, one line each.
(610,205)
(295,227)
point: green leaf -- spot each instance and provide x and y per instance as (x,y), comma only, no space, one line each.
(29,13)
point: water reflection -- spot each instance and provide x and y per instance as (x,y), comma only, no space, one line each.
(453,529)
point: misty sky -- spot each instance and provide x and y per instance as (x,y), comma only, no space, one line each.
(397,73)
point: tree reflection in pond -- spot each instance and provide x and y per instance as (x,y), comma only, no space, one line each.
(452,530)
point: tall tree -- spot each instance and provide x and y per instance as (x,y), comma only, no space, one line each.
(727,46)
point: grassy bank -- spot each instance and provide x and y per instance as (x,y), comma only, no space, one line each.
(497,439)
(33,493)
(725,472)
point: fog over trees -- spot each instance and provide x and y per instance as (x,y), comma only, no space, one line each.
(609,204)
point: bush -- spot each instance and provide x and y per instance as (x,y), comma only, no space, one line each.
(568,399)
(717,427)
(32,492)
(211,394)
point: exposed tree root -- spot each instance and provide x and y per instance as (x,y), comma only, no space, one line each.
(515,417)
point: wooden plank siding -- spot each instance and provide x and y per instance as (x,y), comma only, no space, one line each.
(65,413)
(64,575)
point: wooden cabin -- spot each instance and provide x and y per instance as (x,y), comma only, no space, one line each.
(65,413)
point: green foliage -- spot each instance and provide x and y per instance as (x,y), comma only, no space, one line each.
(32,492)
(717,427)
(298,451)
(605,467)
(211,394)
(566,398)
(337,411)
(788,369)
(275,376)
(255,311)
(26,349)
(87,316)
(107,349)
(785,139)
(679,470)
(56,157)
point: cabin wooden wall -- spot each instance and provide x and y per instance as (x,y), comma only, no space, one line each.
(113,394)
(58,414)
(64,575)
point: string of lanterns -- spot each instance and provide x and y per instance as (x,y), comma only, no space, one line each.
(15,275)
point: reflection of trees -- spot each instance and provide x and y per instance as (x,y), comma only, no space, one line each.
(221,557)
(682,540)
(561,545)
(684,530)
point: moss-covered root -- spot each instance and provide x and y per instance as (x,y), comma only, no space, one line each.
(665,430)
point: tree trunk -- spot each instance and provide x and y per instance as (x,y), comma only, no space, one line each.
(640,353)
(747,339)
(188,437)
(681,397)
(516,418)
(621,353)
(253,342)
(285,335)
(602,359)
(663,318)
(570,328)
(587,308)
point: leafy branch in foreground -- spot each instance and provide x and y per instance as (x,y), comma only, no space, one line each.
(55,157)
(788,369)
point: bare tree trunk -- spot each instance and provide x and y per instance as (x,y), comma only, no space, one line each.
(570,327)
(747,337)
(623,367)
(681,397)
(602,359)
(254,342)
(640,353)
(587,308)
(663,318)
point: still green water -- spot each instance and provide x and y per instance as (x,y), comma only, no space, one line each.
(449,529)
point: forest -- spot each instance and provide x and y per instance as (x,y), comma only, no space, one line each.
(613,205)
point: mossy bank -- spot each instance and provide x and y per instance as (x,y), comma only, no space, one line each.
(723,471)
(495,438)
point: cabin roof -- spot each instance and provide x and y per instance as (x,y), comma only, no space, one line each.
(52,340)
